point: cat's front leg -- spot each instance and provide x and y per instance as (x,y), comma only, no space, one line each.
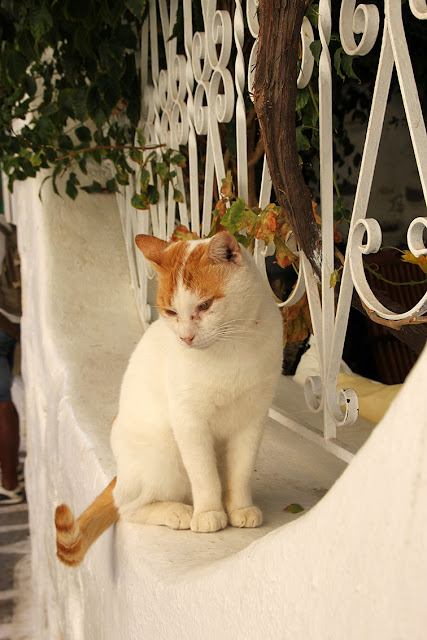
(198,454)
(242,450)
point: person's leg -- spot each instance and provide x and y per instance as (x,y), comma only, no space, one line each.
(9,444)
(9,421)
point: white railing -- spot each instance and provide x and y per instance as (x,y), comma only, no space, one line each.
(189,94)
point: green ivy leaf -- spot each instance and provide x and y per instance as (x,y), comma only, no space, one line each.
(341,211)
(303,143)
(78,100)
(312,13)
(109,88)
(40,21)
(30,85)
(316,49)
(111,185)
(122,178)
(294,508)
(126,35)
(347,66)
(334,279)
(303,96)
(36,160)
(136,156)
(95,187)
(343,64)
(144,179)
(140,137)
(82,163)
(238,217)
(82,41)
(152,194)
(70,187)
(137,7)
(83,133)
(140,201)
(65,142)
(15,64)
(179,160)
(92,100)
(177,196)
(162,170)
(100,118)
(310,116)
(178,27)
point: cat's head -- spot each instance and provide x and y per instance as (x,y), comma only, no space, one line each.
(196,282)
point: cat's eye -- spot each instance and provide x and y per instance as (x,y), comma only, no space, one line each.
(205,305)
(171,312)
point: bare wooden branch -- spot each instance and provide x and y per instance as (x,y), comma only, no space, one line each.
(275,99)
(392,324)
(414,335)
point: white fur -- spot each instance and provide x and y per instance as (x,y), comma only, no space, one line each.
(191,417)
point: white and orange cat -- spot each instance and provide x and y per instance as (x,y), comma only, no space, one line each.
(193,400)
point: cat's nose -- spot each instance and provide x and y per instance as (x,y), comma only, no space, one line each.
(188,340)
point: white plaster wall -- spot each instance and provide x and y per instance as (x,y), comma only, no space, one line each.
(353,567)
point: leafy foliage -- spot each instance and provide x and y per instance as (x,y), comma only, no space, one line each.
(249,224)
(67,78)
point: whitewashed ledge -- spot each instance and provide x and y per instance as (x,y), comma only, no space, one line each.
(353,566)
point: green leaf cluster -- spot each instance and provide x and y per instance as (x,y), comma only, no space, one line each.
(69,86)
(248,224)
(155,167)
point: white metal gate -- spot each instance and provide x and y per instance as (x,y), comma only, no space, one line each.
(191,93)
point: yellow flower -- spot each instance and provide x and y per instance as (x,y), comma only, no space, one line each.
(421,261)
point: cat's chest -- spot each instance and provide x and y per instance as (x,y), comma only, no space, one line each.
(215,380)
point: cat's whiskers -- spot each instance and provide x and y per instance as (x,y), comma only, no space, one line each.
(239,332)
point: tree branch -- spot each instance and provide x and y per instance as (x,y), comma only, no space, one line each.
(275,90)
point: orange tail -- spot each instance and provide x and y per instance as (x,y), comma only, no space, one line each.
(73,538)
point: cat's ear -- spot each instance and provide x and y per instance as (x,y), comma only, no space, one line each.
(224,248)
(151,248)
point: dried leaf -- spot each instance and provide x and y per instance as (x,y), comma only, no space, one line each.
(266,225)
(297,321)
(284,256)
(316,215)
(421,261)
(182,233)
(335,278)
(227,185)
(337,234)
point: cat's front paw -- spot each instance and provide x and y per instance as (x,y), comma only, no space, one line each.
(178,516)
(208,521)
(246,517)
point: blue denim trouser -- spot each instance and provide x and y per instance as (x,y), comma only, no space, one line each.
(7,348)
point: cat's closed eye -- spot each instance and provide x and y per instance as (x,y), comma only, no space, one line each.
(171,312)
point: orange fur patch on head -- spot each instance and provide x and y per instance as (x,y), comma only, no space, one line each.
(203,268)
(195,269)
(202,275)
(169,273)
